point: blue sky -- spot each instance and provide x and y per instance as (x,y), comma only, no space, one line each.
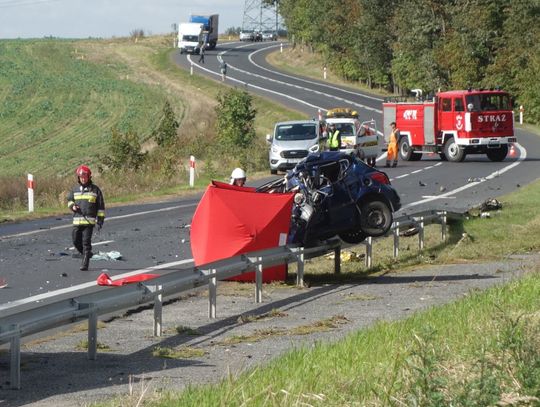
(107,18)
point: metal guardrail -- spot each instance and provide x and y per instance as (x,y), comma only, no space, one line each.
(20,320)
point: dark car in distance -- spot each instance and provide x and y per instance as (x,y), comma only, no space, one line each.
(337,194)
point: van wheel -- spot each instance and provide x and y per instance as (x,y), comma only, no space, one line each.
(453,152)
(375,218)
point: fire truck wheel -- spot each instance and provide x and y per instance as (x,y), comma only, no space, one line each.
(497,154)
(406,152)
(443,157)
(453,152)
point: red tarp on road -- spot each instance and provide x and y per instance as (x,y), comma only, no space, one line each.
(231,220)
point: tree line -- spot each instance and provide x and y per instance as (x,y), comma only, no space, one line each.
(400,45)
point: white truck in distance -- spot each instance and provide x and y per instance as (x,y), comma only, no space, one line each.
(201,29)
(190,37)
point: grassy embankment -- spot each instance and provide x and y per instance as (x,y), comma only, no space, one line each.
(61,98)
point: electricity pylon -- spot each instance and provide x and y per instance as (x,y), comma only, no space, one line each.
(259,16)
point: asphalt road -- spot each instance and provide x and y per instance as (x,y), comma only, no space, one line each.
(35,257)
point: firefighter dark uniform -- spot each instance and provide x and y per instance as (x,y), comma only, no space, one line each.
(86,202)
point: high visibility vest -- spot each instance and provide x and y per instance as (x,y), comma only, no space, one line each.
(394,136)
(333,141)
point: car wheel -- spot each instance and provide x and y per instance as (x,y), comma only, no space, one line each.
(453,152)
(273,172)
(497,154)
(375,218)
(353,237)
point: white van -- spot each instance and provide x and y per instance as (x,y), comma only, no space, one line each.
(190,36)
(291,142)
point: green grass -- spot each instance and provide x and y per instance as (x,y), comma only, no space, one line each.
(57,109)
(475,352)
(59,100)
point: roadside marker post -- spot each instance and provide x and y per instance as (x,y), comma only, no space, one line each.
(191,171)
(30,185)
(191,69)
(324,72)
(521,110)
(281,47)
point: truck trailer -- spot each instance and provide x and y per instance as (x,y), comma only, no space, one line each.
(210,28)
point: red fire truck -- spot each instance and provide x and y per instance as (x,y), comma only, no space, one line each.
(454,124)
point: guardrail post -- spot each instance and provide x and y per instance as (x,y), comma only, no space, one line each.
(212,294)
(15,360)
(369,252)
(258,280)
(337,260)
(421,234)
(300,268)
(92,333)
(158,311)
(443,226)
(396,240)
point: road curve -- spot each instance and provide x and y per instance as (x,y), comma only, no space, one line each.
(35,257)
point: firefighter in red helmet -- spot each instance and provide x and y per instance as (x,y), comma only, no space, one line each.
(86,202)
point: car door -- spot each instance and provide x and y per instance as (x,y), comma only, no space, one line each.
(368,140)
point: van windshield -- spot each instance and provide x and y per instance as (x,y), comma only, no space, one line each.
(305,131)
(346,129)
(190,38)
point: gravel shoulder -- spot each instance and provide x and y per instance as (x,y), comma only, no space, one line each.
(54,372)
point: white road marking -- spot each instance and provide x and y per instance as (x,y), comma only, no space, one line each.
(250,57)
(44,296)
(495,174)
(94,244)
(108,219)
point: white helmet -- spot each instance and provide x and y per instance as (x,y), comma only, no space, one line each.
(238,173)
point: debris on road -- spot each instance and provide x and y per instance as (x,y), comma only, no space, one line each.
(490,204)
(114,255)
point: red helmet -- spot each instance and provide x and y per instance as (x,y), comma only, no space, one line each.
(83,169)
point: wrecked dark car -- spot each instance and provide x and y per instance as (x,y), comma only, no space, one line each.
(336,194)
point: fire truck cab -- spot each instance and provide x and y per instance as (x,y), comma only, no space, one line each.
(454,124)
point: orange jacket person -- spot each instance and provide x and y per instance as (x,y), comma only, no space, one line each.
(392,153)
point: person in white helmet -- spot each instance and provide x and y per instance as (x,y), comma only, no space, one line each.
(238,177)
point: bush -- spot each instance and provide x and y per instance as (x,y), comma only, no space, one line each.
(125,152)
(235,118)
(166,133)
